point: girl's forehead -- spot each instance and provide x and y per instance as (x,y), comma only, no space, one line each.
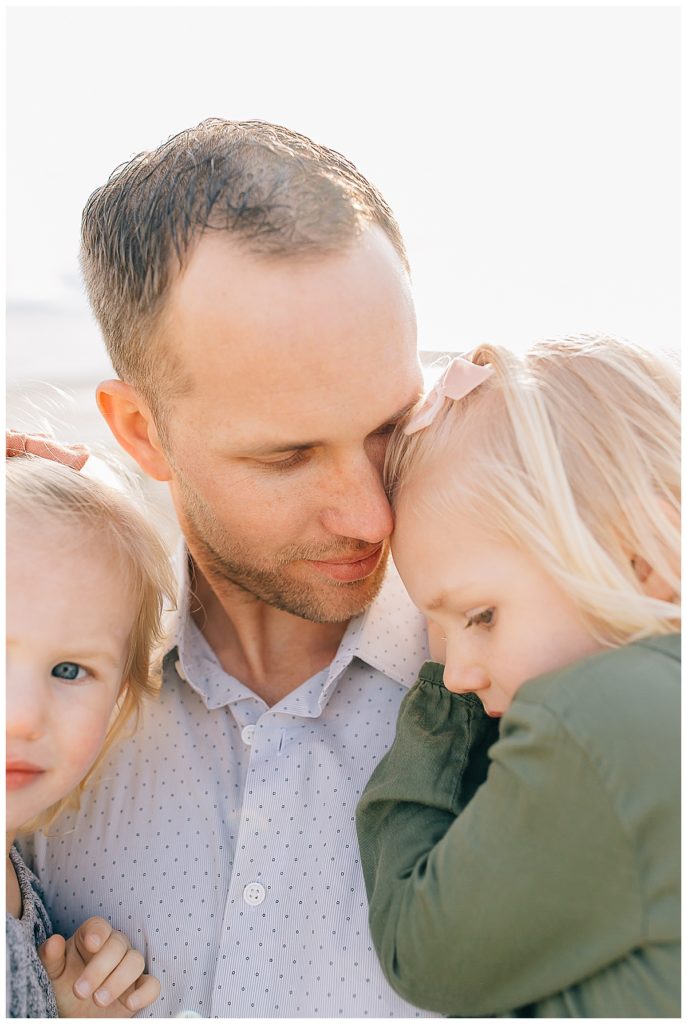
(432,491)
(48,526)
(53,542)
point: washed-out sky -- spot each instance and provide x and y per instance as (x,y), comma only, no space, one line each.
(531,154)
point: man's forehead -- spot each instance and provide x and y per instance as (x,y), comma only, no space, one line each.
(232,305)
(296,353)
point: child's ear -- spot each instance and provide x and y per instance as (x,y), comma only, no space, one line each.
(653,585)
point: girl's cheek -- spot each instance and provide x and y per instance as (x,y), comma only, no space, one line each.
(86,741)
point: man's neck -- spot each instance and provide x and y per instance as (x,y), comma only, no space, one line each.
(269,650)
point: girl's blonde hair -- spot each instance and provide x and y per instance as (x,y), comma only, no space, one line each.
(41,491)
(571,453)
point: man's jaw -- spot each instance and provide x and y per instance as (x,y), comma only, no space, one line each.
(299,587)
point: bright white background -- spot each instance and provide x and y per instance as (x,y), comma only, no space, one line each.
(531,155)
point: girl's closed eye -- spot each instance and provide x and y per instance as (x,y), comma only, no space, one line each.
(69,671)
(486,618)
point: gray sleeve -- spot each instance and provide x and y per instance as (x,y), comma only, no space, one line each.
(28,991)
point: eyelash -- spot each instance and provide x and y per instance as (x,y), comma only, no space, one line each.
(300,456)
(478,619)
(293,460)
(385,431)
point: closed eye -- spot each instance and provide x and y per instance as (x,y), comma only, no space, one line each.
(384,431)
(388,428)
(295,459)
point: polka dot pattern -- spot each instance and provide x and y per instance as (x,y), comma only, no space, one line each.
(221,837)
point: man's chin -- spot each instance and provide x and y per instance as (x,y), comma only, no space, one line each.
(322,599)
(297,587)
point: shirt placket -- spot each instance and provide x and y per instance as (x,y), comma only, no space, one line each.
(254,887)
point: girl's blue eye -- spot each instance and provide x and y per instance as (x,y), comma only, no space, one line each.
(68,670)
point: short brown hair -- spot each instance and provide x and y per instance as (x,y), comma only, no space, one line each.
(276,192)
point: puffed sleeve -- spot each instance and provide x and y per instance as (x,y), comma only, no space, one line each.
(496,869)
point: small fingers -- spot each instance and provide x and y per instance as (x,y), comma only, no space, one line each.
(146,991)
(91,935)
(72,455)
(100,965)
(126,974)
(53,956)
(19,443)
(15,443)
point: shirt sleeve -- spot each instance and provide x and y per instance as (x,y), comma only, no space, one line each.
(490,890)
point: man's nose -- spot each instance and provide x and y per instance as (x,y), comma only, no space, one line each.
(356,505)
(464,677)
(26,707)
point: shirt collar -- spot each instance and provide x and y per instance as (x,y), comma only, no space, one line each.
(387,636)
(175,618)
(390,636)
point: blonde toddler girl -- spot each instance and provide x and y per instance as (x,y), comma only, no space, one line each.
(85,580)
(520,840)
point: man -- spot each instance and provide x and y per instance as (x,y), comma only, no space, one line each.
(252,288)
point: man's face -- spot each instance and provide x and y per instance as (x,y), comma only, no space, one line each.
(298,368)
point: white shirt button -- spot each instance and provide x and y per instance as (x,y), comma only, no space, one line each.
(247,734)
(180,670)
(254,894)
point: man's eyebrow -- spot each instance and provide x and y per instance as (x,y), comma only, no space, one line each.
(296,446)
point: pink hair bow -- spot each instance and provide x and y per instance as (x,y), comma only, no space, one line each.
(458,379)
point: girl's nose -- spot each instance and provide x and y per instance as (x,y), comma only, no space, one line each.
(464,678)
(25,709)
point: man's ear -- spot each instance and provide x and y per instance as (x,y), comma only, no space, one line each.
(652,584)
(131,422)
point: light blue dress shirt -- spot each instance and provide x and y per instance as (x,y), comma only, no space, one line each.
(221,837)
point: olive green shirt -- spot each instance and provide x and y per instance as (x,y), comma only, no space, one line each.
(533,868)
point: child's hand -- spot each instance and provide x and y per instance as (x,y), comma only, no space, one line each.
(18,443)
(96,973)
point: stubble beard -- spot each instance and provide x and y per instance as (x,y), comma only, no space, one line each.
(224,561)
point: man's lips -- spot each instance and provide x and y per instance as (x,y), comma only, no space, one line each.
(21,773)
(349,569)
